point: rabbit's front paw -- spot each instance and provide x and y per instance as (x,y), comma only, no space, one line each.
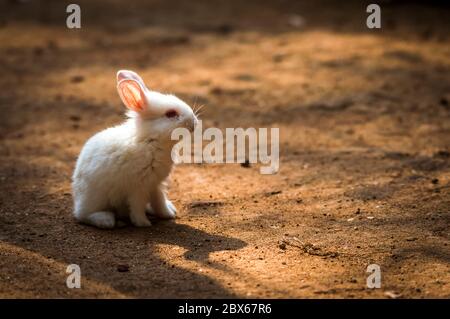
(168,211)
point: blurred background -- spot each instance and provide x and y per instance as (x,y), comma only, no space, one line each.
(364,118)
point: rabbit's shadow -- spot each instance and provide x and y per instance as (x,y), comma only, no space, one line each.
(198,243)
(178,279)
(152,271)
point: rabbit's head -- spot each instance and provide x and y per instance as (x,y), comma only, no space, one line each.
(156,114)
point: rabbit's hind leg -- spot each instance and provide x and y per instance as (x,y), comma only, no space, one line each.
(105,220)
(89,213)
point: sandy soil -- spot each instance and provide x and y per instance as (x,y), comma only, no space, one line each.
(364,118)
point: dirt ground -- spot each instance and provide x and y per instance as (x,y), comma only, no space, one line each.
(364,118)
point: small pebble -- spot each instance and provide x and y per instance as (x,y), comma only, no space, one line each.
(123,268)
(77,79)
(75,118)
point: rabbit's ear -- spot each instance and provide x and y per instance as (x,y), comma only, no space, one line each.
(130,75)
(132,94)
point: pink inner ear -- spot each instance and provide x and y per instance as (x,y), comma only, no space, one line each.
(132,95)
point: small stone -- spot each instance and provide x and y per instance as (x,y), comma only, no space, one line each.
(75,118)
(123,268)
(277,58)
(282,246)
(77,79)
(216,90)
(435,181)
(443,153)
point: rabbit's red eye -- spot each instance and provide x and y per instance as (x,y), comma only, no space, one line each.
(171,113)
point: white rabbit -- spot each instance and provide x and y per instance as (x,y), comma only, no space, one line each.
(122,169)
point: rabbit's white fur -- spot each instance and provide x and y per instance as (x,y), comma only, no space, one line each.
(121,170)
